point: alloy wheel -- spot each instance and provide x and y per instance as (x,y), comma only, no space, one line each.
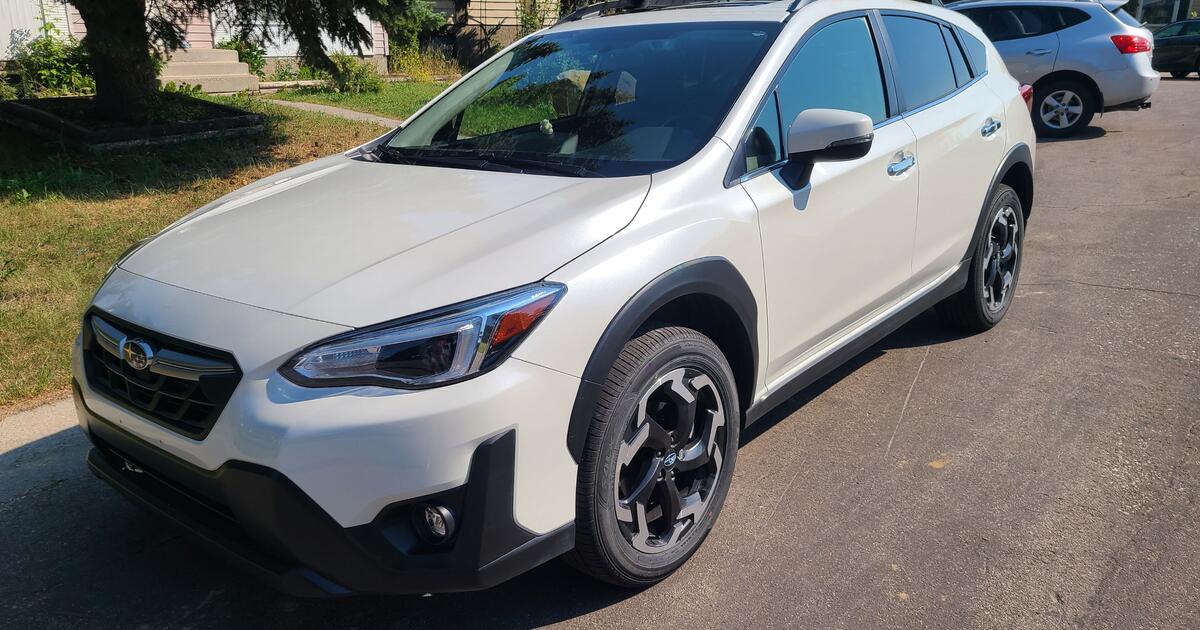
(1003,248)
(670,460)
(1061,109)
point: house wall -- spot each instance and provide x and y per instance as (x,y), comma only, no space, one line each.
(19,20)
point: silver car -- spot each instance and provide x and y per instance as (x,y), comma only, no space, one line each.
(1081,56)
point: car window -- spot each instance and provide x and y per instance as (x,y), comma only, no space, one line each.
(838,68)
(1193,28)
(923,68)
(764,145)
(615,101)
(1170,31)
(1070,17)
(962,75)
(1005,23)
(976,52)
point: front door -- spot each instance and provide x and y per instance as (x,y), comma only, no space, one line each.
(839,248)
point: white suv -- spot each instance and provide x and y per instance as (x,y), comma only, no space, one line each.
(535,319)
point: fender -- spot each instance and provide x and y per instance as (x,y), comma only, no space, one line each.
(716,277)
(1019,154)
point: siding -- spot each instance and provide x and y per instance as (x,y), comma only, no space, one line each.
(494,12)
(78,30)
(19,20)
(287,47)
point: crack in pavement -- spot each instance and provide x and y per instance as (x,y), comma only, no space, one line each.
(1109,286)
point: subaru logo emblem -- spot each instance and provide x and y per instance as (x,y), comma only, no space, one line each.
(669,460)
(136,353)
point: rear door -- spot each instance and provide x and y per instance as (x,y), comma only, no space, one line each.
(1025,36)
(958,122)
(1176,46)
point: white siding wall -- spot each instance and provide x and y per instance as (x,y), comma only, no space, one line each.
(19,19)
(287,47)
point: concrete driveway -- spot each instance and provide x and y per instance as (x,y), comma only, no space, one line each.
(1045,474)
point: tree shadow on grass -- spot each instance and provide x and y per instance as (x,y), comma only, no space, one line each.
(32,168)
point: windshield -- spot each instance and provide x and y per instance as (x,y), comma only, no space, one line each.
(611,101)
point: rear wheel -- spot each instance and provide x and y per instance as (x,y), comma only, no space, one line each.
(995,267)
(658,459)
(1063,108)
(1179,74)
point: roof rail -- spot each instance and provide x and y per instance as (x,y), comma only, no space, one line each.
(614,6)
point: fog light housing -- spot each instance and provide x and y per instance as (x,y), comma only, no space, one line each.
(434,523)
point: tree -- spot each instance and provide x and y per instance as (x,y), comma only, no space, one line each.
(127,39)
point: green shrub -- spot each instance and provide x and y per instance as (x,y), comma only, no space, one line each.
(288,70)
(186,89)
(7,92)
(49,66)
(410,22)
(249,53)
(424,65)
(353,76)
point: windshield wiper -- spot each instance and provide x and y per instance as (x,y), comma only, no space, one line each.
(545,166)
(482,162)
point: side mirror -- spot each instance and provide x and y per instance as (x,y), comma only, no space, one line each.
(825,135)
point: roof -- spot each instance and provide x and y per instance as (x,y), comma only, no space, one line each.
(617,12)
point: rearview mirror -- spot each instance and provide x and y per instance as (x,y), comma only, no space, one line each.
(825,135)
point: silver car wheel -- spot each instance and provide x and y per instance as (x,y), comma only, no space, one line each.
(1061,109)
(670,460)
(1003,248)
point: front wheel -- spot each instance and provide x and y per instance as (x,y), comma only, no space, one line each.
(995,267)
(658,459)
(1063,108)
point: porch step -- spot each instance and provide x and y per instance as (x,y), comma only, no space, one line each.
(216,83)
(204,68)
(203,55)
(215,70)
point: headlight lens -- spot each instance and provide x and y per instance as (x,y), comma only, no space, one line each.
(431,349)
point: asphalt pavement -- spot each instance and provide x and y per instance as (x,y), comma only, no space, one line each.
(1045,474)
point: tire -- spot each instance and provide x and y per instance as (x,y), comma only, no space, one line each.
(1068,113)
(975,308)
(618,541)
(1178,74)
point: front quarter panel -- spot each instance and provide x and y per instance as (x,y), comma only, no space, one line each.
(688,215)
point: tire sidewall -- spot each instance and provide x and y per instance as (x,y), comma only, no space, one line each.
(634,565)
(1003,196)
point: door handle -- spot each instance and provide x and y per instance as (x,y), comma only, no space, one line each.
(1038,52)
(904,161)
(990,128)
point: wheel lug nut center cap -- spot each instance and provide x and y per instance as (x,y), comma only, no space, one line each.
(670,460)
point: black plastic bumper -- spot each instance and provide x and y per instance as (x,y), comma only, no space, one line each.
(273,530)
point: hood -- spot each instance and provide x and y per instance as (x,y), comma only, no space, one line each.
(356,243)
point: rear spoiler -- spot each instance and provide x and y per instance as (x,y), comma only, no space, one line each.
(1113,5)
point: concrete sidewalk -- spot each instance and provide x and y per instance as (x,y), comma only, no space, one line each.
(341,112)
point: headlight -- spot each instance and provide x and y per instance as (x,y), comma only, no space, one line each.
(431,349)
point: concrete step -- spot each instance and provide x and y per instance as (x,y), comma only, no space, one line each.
(204,68)
(215,84)
(204,55)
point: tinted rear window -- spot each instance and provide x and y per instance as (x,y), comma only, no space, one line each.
(976,52)
(923,66)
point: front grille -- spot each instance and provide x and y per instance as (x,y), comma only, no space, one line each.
(184,387)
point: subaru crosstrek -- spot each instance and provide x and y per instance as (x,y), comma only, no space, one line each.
(534,320)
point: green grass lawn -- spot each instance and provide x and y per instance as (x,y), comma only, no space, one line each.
(66,216)
(396,100)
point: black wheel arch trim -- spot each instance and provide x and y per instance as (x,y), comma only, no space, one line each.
(1019,154)
(711,276)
